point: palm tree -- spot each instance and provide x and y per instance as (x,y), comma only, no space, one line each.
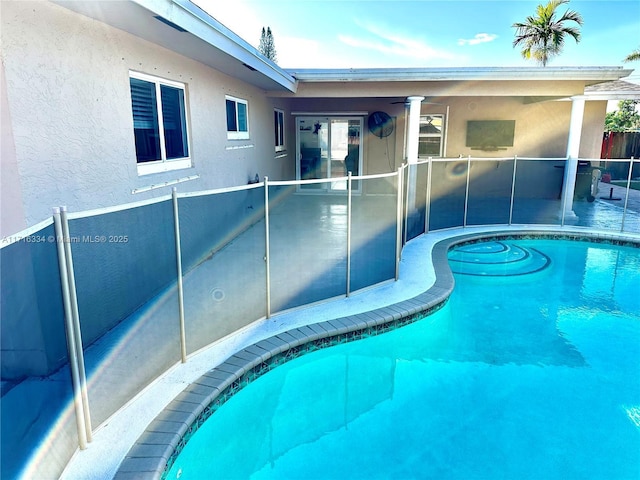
(542,36)
(633,56)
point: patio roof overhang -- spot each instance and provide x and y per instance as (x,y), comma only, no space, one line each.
(183,27)
(616,90)
(535,82)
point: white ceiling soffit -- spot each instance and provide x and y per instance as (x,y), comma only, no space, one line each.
(589,75)
(184,28)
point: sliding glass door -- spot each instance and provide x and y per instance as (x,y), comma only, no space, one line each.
(328,147)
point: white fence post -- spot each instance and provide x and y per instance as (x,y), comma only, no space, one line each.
(349,191)
(399,220)
(626,198)
(267,258)
(68,321)
(176,228)
(466,192)
(427,207)
(75,317)
(513,188)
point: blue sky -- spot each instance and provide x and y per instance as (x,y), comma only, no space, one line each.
(423,33)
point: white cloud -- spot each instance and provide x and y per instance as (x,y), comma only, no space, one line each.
(297,52)
(392,44)
(478,38)
(236,16)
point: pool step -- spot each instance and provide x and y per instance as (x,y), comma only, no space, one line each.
(497,259)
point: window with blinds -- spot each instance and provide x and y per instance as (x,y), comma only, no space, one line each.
(237,118)
(159,123)
(430,136)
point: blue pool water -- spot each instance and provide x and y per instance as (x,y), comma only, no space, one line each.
(530,371)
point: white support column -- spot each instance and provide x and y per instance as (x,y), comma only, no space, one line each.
(413,133)
(573,153)
(412,136)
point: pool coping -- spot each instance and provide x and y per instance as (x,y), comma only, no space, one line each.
(155,450)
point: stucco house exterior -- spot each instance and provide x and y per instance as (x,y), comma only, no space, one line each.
(106,103)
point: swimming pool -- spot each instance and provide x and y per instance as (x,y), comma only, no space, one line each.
(523,374)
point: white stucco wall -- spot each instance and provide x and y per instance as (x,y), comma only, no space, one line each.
(540,131)
(67,90)
(11,208)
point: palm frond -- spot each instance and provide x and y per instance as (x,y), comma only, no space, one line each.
(633,56)
(543,35)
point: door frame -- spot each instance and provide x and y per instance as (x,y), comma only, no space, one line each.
(328,118)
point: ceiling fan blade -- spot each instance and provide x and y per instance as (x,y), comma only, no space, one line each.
(423,102)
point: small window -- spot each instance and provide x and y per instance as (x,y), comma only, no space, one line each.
(430,136)
(237,119)
(159,124)
(278,122)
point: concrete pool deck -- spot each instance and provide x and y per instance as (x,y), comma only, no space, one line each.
(115,437)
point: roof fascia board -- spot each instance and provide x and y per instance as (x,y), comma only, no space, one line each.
(200,24)
(595,74)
